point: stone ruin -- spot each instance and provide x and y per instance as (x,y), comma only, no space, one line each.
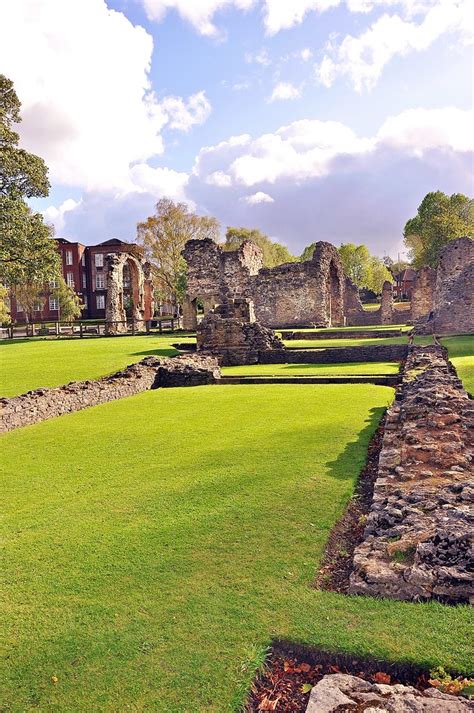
(318,293)
(311,293)
(443,298)
(141,292)
(150,373)
(418,540)
(230,332)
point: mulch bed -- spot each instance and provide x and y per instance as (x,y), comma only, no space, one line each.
(291,671)
(336,566)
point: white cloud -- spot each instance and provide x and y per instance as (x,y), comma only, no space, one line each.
(363,58)
(311,148)
(199,13)
(283,14)
(261,57)
(57,216)
(86,102)
(182,115)
(283,91)
(306,54)
(159,181)
(220,179)
(259,197)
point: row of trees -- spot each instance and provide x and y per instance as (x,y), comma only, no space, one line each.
(28,256)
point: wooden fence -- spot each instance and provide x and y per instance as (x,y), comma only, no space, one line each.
(85,328)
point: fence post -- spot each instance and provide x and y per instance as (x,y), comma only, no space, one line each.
(172,324)
(147,326)
(133,325)
(80,330)
(160,326)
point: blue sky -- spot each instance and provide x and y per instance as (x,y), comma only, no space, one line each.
(310,119)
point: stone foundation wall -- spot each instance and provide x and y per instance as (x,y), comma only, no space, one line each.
(418,538)
(382,352)
(151,372)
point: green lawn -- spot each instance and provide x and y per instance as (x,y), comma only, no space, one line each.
(369,328)
(30,363)
(345,342)
(357,368)
(155,545)
(461,353)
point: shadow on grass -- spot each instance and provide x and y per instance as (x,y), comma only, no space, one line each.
(356,451)
(169,351)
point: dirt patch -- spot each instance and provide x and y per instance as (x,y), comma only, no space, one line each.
(291,671)
(336,566)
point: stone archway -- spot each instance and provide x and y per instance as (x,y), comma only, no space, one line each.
(129,288)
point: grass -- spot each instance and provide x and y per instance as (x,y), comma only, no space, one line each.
(369,328)
(154,547)
(345,342)
(361,368)
(30,363)
(461,353)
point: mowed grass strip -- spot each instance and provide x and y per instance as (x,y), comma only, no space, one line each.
(155,545)
(355,368)
(30,363)
(461,353)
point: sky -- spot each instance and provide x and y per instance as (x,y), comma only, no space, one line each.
(308,119)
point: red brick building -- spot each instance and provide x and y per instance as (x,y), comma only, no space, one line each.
(83,268)
(404,283)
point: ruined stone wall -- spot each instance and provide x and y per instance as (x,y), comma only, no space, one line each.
(423,293)
(454,290)
(418,538)
(151,372)
(231,333)
(386,304)
(312,292)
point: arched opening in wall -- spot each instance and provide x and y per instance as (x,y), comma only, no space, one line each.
(131,289)
(335,301)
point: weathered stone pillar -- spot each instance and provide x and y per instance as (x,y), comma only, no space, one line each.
(189,314)
(386,305)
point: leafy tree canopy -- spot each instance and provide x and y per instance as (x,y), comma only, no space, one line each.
(27,253)
(364,269)
(163,235)
(439,219)
(273,253)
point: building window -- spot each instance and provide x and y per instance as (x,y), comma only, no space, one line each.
(83,260)
(68,257)
(99,282)
(19,307)
(53,284)
(84,281)
(53,304)
(100,301)
(70,279)
(99,260)
(38,307)
(84,301)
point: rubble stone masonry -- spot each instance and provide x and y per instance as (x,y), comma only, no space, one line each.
(151,372)
(418,540)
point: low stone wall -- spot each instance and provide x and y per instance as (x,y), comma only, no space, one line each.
(418,539)
(151,372)
(341,334)
(339,355)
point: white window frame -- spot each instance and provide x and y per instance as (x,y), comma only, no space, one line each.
(38,307)
(84,281)
(100,281)
(70,279)
(100,301)
(99,260)
(53,284)
(53,304)
(69,257)
(83,260)
(84,301)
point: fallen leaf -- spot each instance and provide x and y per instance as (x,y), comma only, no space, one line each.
(305,667)
(381,677)
(267,705)
(306,687)
(54,679)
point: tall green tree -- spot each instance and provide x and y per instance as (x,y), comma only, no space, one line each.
(27,253)
(439,219)
(364,269)
(162,237)
(273,253)
(70,305)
